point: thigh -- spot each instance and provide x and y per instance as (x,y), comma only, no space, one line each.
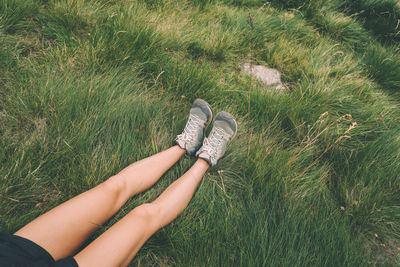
(120,243)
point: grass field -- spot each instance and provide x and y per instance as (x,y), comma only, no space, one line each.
(87,87)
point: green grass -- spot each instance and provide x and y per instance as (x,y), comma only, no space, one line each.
(88,87)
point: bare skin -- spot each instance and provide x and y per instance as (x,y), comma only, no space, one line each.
(124,239)
(63,229)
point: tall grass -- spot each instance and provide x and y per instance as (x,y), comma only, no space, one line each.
(380,57)
(90,86)
(380,17)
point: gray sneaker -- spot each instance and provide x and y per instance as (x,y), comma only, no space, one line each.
(214,146)
(199,118)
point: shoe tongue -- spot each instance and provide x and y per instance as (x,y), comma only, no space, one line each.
(199,113)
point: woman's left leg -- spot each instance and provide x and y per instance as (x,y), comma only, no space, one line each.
(119,244)
(63,229)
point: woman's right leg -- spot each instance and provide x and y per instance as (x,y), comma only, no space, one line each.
(63,229)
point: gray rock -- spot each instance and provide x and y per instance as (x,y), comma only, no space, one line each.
(271,78)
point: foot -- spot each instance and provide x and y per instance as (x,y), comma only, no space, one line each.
(199,118)
(214,146)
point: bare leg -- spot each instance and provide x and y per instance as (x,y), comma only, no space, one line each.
(119,244)
(63,229)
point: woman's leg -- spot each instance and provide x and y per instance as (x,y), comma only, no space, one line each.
(123,240)
(63,229)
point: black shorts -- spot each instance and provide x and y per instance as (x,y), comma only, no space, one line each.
(16,251)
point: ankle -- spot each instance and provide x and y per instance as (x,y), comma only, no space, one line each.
(203,162)
(180,149)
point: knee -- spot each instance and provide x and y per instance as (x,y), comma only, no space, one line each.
(149,214)
(114,186)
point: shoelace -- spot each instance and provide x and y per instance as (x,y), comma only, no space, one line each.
(213,143)
(190,129)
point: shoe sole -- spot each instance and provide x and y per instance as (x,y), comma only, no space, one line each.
(209,108)
(226,114)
